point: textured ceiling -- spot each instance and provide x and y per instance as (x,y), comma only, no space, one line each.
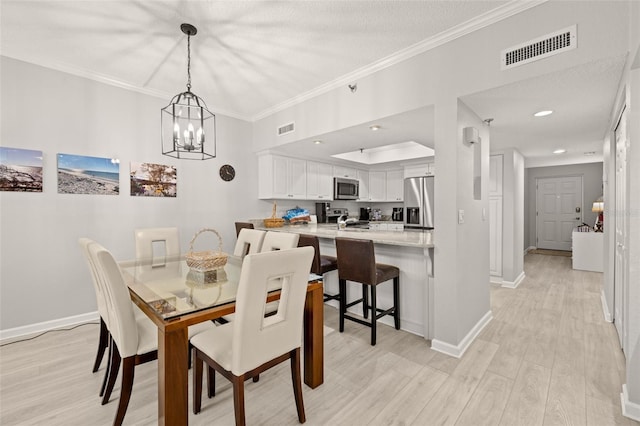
(247,57)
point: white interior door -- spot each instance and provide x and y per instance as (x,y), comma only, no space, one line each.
(620,285)
(558,211)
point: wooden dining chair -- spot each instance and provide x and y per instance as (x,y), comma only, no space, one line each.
(251,344)
(243,225)
(249,241)
(274,240)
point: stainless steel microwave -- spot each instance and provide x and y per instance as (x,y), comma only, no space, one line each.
(345,189)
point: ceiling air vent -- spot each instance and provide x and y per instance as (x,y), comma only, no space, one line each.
(541,47)
(287,128)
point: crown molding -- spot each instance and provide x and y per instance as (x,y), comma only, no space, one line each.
(481,21)
(105,79)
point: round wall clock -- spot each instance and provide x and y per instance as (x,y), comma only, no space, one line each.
(227,172)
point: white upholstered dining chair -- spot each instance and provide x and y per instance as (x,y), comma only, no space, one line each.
(249,242)
(157,244)
(274,240)
(251,344)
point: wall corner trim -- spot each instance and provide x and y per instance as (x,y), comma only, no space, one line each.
(457,351)
(516,283)
(18,333)
(605,307)
(629,409)
(528,249)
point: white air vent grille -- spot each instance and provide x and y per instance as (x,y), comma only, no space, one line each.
(287,128)
(541,47)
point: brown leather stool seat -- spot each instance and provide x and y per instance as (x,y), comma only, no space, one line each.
(240,225)
(357,263)
(321,264)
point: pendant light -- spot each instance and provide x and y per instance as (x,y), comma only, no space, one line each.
(188,127)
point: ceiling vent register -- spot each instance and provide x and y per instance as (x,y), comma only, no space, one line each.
(539,48)
(287,128)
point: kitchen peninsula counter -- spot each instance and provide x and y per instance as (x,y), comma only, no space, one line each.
(407,238)
(411,251)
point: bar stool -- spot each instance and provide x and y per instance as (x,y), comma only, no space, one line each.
(242,225)
(357,262)
(321,263)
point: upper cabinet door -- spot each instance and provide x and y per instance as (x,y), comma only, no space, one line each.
(363,178)
(395,185)
(345,172)
(418,170)
(319,181)
(282,177)
(377,186)
(495,175)
(297,179)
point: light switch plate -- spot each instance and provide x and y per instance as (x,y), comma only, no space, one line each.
(460,217)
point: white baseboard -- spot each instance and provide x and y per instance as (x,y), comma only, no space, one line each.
(528,249)
(514,284)
(495,279)
(605,307)
(629,409)
(28,330)
(457,351)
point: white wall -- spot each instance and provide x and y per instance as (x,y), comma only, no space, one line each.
(591,189)
(43,276)
(512,215)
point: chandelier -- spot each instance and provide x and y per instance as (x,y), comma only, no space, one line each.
(188,127)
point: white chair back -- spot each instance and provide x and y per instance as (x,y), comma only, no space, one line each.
(123,327)
(157,244)
(257,339)
(85,243)
(249,242)
(279,241)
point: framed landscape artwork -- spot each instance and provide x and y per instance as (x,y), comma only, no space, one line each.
(79,174)
(20,170)
(153,180)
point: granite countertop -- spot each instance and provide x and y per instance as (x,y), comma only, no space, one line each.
(407,238)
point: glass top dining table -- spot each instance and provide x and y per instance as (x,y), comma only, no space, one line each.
(175,296)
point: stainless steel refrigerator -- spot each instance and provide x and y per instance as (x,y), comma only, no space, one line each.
(418,202)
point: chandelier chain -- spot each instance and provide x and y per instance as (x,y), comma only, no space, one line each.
(188,62)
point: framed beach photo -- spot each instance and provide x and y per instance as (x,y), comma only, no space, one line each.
(153,180)
(20,170)
(78,174)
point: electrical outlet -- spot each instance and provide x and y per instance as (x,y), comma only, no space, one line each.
(460,217)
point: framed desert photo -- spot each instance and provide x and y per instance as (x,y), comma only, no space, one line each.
(153,180)
(78,174)
(20,170)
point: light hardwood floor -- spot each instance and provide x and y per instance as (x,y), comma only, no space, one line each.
(548,357)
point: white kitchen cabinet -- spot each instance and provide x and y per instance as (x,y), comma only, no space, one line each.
(395,185)
(319,181)
(345,172)
(363,178)
(588,251)
(377,186)
(495,236)
(282,177)
(417,170)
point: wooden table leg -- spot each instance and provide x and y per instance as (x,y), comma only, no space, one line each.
(173,377)
(314,337)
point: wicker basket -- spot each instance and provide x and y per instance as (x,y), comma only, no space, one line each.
(206,260)
(273,222)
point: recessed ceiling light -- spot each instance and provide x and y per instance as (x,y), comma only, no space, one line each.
(543,113)
(317,142)
(375,128)
(560,151)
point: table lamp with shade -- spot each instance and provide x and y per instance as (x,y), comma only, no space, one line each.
(598,207)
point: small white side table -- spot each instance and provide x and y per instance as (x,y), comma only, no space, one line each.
(588,251)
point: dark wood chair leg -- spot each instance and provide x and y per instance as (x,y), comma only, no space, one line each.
(211,381)
(343,302)
(113,372)
(374,314)
(128,372)
(197,382)
(106,371)
(297,384)
(365,302)
(396,302)
(103,343)
(238,399)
